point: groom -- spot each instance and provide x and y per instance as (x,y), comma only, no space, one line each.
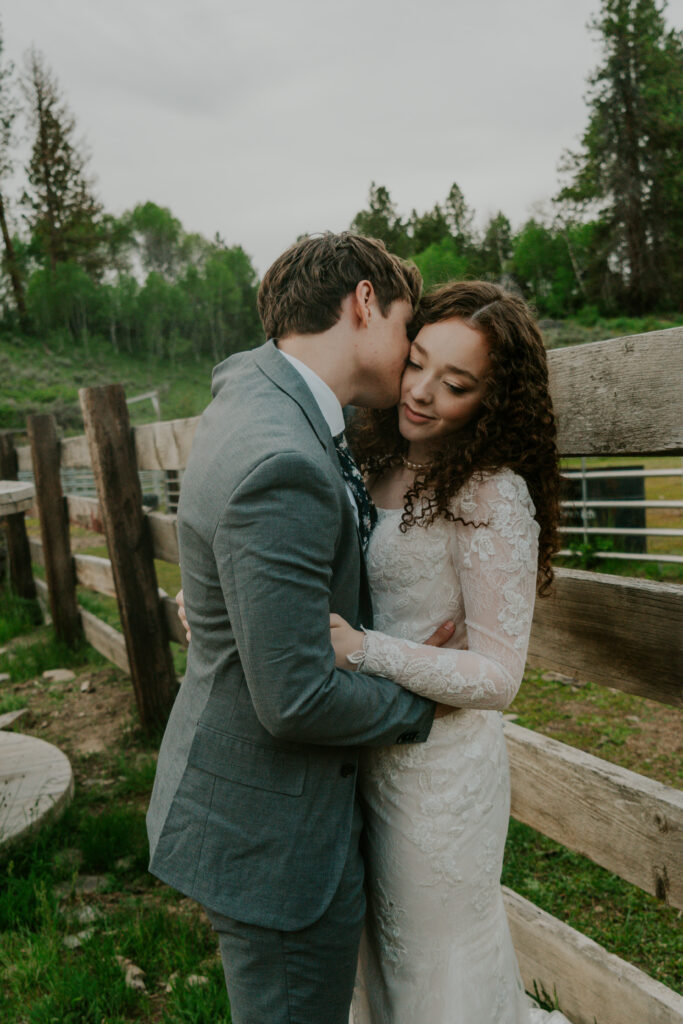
(254,810)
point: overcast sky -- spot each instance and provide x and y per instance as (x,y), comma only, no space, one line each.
(269,118)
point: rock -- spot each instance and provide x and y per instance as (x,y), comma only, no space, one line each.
(192,979)
(87,915)
(88,884)
(11,716)
(77,940)
(132,973)
(558,677)
(86,686)
(510,718)
(59,675)
(5,677)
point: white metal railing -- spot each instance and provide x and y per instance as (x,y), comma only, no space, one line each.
(587,506)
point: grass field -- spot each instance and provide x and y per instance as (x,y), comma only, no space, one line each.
(78,908)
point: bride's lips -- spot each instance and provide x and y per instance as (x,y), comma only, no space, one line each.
(415,417)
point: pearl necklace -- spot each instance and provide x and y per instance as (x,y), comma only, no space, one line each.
(415,466)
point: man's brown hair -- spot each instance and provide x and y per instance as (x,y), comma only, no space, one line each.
(303,291)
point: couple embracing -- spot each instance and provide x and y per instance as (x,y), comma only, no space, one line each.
(333,783)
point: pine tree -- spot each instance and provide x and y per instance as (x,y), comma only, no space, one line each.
(62,211)
(628,161)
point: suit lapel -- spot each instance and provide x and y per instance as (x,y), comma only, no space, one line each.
(271,362)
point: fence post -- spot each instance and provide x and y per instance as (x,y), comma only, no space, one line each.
(20,571)
(54,529)
(112,454)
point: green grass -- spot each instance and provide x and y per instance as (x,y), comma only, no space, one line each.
(102,833)
(584,329)
(17,615)
(47,378)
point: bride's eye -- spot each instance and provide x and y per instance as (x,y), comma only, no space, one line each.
(415,366)
(455,390)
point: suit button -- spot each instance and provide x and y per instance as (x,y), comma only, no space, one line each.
(346,770)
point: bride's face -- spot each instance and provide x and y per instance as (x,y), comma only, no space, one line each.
(444,381)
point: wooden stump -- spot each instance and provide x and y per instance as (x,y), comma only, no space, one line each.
(54,529)
(129,541)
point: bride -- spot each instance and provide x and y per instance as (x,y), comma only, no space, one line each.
(464,474)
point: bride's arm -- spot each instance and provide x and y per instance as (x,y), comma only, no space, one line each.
(496,564)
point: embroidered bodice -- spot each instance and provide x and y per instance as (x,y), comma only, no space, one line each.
(479,571)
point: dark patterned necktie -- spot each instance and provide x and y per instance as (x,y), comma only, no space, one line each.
(367,513)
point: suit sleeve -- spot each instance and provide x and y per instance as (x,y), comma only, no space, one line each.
(274,546)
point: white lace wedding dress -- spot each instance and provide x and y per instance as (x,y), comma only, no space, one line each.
(437,949)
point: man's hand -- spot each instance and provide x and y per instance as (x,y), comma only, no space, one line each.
(180,601)
(439,636)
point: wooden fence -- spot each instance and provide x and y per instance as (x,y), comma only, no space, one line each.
(617,397)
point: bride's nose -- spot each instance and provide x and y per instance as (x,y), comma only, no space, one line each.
(421,391)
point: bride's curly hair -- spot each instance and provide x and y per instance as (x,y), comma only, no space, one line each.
(514,426)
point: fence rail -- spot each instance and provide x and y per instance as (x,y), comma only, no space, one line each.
(623,633)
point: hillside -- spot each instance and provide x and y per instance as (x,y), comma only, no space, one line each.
(44,377)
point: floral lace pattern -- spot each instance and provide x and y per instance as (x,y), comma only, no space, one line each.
(437,946)
(495,564)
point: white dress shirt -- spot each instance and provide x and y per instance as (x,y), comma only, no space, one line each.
(327,402)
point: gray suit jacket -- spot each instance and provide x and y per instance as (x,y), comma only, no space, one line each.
(253,799)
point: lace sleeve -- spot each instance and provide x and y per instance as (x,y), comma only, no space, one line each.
(495,558)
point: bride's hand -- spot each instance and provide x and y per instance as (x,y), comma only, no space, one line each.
(345,640)
(180,601)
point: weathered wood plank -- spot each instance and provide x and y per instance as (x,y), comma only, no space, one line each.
(36,549)
(622,632)
(54,528)
(20,571)
(15,497)
(85,512)
(173,623)
(74,453)
(165,445)
(96,573)
(24,461)
(164,532)
(105,639)
(631,825)
(36,782)
(604,395)
(129,543)
(591,983)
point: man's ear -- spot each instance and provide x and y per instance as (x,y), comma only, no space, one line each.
(362,303)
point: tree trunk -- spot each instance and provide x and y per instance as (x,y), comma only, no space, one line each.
(15,277)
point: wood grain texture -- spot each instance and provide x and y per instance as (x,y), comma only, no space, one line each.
(95,573)
(165,445)
(54,528)
(622,632)
(591,983)
(631,825)
(620,397)
(24,460)
(104,638)
(75,453)
(164,531)
(36,549)
(18,551)
(85,512)
(36,783)
(107,428)
(173,623)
